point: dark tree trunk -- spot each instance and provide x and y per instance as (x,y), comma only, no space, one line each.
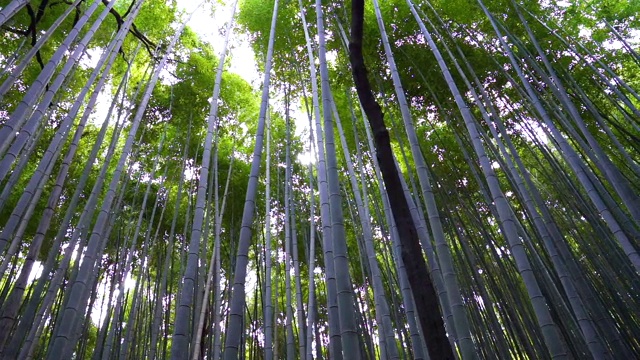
(422,288)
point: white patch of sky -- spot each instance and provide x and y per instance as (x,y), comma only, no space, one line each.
(210,24)
(99,310)
(101,109)
(90,58)
(36,271)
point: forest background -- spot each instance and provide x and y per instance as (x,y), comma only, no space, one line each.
(204,181)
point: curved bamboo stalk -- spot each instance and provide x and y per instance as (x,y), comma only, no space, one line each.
(335,343)
(388,348)
(268,303)
(348,327)
(288,251)
(236,318)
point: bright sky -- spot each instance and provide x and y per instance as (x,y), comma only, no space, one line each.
(210,23)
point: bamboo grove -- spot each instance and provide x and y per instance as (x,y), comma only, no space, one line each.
(410,179)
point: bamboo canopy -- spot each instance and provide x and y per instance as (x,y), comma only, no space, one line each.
(402,179)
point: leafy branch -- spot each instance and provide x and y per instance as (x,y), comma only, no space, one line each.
(148,44)
(36,15)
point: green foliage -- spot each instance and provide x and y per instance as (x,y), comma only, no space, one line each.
(572,34)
